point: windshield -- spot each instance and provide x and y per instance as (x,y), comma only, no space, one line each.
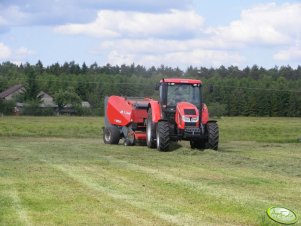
(183,93)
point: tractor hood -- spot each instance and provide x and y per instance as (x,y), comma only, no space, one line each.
(187,114)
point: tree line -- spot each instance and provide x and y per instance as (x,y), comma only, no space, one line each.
(229,91)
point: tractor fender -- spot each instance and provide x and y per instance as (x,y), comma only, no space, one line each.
(156,110)
(205,114)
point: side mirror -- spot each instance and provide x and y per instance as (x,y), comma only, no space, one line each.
(157,86)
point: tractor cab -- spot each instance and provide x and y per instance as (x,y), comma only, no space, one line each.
(183,93)
(176,94)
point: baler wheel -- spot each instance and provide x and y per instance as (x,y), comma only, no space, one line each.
(213,135)
(163,136)
(150,131)
(111,135)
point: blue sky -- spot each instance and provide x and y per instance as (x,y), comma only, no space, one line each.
(174,33)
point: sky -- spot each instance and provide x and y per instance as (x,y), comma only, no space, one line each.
(176,33)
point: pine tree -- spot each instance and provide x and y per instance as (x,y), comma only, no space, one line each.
(31,88)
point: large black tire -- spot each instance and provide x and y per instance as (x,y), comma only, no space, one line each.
(111,135)
(213,135)
(197,144)
(163,138)
(150,131)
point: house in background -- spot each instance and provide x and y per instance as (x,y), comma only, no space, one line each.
(86,104)
(70,110)
(47,101)
(12,92)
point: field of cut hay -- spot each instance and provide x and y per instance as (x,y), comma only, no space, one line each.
(57,171)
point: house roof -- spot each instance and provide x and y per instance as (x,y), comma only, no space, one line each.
(10,90)
(86,104)
(43,94)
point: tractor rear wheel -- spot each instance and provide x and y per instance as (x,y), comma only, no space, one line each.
(111,135)
(213,135)
(163,136)
(150,131)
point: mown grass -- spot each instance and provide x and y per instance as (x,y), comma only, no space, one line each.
(64,127)
(73,179)
(279,130)
(264,129)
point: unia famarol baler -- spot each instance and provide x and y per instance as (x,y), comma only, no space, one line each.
(179,114)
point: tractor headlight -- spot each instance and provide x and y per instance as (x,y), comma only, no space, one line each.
(190,119)
(185,118)
(195,119)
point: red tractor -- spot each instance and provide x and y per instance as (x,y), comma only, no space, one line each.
(179,114)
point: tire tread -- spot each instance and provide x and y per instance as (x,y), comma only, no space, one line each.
(152,142)
(213,135)
(163,133)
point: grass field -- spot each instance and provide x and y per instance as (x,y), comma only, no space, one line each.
(57,171)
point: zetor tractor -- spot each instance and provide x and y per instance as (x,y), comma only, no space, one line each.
(179,114)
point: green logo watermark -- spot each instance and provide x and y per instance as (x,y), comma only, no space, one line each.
(282,215)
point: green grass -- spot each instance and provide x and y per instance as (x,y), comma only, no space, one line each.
(63,127)
(279,130)
(57,171)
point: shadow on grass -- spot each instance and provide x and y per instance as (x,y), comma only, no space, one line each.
(227,149)
(174,146)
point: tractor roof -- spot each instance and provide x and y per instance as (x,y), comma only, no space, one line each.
(181,80)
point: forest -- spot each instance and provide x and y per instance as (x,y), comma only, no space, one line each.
(228,91)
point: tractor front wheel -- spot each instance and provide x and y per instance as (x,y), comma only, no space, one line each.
(150,131)
(111,135)
(163,136)
(197,144)
(213,135)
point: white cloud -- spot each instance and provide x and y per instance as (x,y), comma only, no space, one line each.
(113,24)
(13,15)
(170,52)
(163,45)
(14,55)
(5,52)
(291,54)
(209,58)
(264,24)
(163,32)
(181,37)
(23,52)
(2,21)
(57,12)
(172,38)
